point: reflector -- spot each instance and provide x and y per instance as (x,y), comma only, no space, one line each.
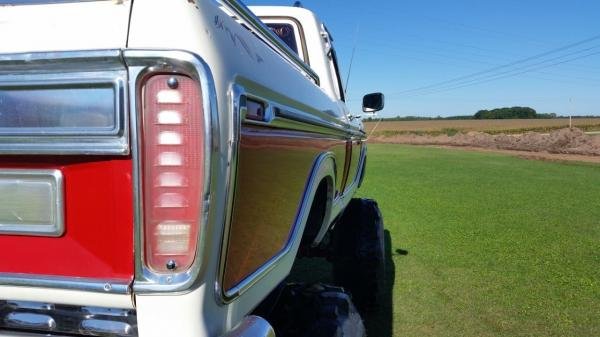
(31,202)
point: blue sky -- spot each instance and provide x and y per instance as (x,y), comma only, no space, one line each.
(423,54)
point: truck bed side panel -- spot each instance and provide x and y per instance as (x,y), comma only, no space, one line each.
(273,166)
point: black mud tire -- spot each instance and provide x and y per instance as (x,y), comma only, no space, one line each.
(358,255)
(316,310)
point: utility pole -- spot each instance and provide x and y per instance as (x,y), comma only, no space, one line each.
(570,113)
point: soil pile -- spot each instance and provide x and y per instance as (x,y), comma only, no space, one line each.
(564,141)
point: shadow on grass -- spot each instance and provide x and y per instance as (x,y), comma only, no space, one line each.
(378,321)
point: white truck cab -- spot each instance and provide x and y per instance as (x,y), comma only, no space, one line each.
(304,33)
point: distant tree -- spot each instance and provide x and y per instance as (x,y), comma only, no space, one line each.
(515,112)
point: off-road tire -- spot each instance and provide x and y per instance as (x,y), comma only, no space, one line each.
(316,310)
(358,255)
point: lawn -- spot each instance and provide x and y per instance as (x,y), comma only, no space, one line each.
(485,244)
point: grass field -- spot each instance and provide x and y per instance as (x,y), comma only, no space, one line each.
(490,125)
(485,244)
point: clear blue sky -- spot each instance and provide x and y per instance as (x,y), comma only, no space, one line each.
(434,46)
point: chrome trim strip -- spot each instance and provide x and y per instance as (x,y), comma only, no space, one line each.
(285,117)
(252,326)
(68,68)
(20,177)
(237,109)
(140,64)
(69,283)
(262,31)
(313,181)
(94,60)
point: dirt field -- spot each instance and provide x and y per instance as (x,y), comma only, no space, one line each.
(494,126)
(558,145)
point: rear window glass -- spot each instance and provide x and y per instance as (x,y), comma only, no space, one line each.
(285,31)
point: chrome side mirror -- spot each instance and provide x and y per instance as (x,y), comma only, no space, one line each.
(373,102)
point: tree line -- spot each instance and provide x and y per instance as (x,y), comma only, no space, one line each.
(515,112)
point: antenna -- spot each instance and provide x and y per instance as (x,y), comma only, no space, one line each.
(298,4)
(351,58)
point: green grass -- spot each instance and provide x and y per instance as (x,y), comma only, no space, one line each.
(483,244)
(497,245)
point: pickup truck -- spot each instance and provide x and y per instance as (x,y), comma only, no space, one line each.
(163,164)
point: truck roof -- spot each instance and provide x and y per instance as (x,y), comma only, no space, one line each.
(278,11)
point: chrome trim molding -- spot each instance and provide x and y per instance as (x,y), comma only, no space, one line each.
(67,69)
(282,116)
(18,179)
(252,326)
(68,283)
(244,14)
(228,295)
(141,63)
(237,109)
(289,117)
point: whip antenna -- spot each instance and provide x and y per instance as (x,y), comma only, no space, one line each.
(351,58)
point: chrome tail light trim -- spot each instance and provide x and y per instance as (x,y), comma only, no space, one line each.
(142,63)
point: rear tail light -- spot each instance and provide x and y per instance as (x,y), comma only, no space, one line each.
(173,157)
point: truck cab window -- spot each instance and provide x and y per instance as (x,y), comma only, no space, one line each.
(285,32)
(290,32)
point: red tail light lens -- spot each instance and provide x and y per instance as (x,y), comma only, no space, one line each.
(173,157)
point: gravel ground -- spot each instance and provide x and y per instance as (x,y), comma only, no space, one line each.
(564,141)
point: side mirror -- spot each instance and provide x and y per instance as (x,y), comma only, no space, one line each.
(373,102)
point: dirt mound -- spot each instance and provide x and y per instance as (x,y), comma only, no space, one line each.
(565,141)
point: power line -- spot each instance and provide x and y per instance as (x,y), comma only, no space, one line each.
(507,65)
(481,81)
(517,69)
(425,47)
